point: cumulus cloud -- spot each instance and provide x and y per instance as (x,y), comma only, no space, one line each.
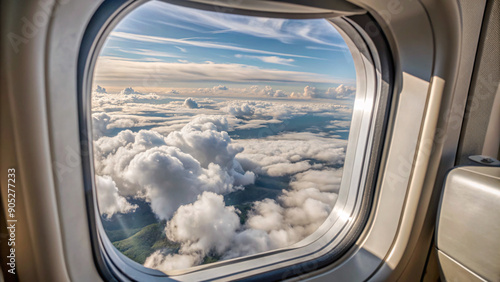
(219,87)
(270,224)
(109,201)
(203,226)
(165,261)
(280,93)
(268,91)
(288,154)
(269,59)
(295,215)
(129,90)
(100,123)
(201,232)
(327,180)
(208,226)
(100,89)
(309,92)
(341,92)
(185,173)
(199,157)
(239,110)
(190,103)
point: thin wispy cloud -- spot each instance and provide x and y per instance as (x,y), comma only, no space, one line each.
(279,29)
(181,49)
(269,59)
(149,53)
(204,44)
(112,70)
(340,48)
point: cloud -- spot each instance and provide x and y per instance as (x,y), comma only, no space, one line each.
(287,31)
(289,154)
(279,93)
(208,226)
(181,49)
(165,261)
(129,90)
(109,201)
(268,91)
(185,173)
(269,59)
(204,44)
(287,168)
(219,87)
(327,180)
(238,110)
(201,232)
(149,53)
(100,89)
(100,123)
(310,92)
(270,224)
(119,71)
(190,103)
(341,92)
(295,215)
(198,158)
(203,226)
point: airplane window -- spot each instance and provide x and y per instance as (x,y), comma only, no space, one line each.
(218,136)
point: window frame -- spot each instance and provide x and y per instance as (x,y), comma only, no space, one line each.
(325,245)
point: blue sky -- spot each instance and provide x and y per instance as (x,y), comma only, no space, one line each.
(167,46)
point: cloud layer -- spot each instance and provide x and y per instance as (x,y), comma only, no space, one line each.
(199,157)
(186,163)
(116,71)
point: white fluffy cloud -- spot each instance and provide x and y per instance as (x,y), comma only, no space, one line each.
(129,90)
(185,172)
(203,226)
(341,92)
(219,87)
(190,103)
(327,180)
(208,226)
(201,232)
(269,59)
(267,91)
(198,158)
(310,92)
(165,261)
(239,110)
(289,153)
(109,201)
(271,224)
(100,123)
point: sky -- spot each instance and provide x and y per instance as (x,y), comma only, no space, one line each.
(159,47)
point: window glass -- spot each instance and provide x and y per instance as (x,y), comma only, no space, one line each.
(217,136)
